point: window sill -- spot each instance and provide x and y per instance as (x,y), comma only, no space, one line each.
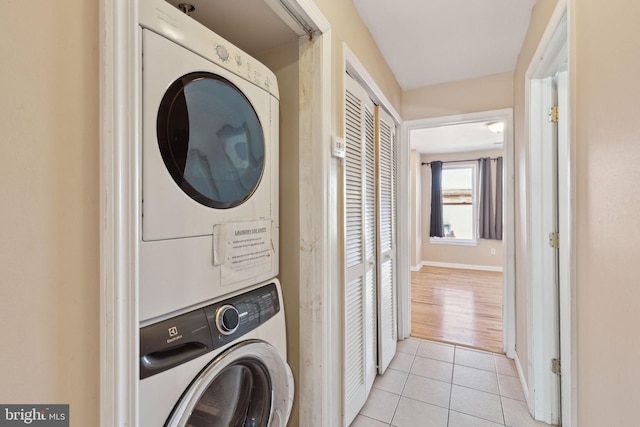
(450,241)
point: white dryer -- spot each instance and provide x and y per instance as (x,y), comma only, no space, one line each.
(209,164)
(222,364)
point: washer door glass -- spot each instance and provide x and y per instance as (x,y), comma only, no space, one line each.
(249,385)
(239,396)
(211,140)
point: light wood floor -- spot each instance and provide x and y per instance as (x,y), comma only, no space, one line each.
(457,306)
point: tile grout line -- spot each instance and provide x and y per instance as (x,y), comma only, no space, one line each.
(401,391)
(475,389)
(504,418)
(453,363)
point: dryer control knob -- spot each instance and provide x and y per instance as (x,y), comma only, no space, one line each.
(227,319)
(222,53)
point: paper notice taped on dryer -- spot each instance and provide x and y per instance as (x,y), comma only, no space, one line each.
(247,250)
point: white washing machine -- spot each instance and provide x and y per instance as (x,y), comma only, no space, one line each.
(223,364)
(209,164)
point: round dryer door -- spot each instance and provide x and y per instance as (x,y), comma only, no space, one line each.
(249,385)
(211,140)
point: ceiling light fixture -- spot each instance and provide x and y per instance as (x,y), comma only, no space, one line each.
(496,127)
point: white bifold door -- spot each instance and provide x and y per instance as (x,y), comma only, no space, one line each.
(386,250)
(370,319)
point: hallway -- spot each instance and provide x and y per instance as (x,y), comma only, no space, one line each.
(430,384)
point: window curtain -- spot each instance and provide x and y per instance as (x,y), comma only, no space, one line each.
(499,198)
(436,228)
(490,209)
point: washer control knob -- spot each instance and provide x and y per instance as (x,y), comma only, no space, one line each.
(227,319)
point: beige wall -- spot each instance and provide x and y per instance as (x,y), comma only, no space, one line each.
(604,68)
(540,16)
(49,238)
(347,27)
(493,92)
(479,255)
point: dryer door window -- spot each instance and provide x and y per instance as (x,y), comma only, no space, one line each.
(211,140)
(248,386)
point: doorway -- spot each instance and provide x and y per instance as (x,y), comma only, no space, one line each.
(507,263)
(549,209)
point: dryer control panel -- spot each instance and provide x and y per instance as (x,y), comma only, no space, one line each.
(174,341)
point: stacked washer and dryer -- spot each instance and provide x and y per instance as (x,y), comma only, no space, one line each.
(212,331)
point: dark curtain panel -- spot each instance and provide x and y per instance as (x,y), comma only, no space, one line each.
(499,198)
(490,209)
(436,228)
(487,224)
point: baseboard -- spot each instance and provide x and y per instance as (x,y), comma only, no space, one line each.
(523,381)
(458,266)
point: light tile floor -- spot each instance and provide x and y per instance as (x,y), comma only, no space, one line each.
(430,384)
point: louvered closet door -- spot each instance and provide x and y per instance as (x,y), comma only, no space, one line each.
(387,316)
(360,250)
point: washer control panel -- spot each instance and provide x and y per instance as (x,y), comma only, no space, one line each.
(177,340)
(232,318)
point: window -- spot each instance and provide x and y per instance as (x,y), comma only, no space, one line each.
(458,203)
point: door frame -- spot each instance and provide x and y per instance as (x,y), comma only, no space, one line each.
(120,103)
(545,401)
(508,262)
(119,210)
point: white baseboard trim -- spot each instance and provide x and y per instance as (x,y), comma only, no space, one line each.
(458,266)
(523,381)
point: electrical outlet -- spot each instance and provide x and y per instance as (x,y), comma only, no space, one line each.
(493,251)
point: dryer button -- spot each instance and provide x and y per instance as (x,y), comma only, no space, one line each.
(227,319)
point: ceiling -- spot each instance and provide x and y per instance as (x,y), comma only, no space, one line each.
(427,42)
(455,138)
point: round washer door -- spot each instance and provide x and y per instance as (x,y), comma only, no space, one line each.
(211,140)
(249,385)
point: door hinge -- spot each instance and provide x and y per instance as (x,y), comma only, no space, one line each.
(554,239)
(556,367)
(553,114)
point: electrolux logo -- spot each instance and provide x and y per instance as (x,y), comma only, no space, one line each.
(36,415)
(173,334)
